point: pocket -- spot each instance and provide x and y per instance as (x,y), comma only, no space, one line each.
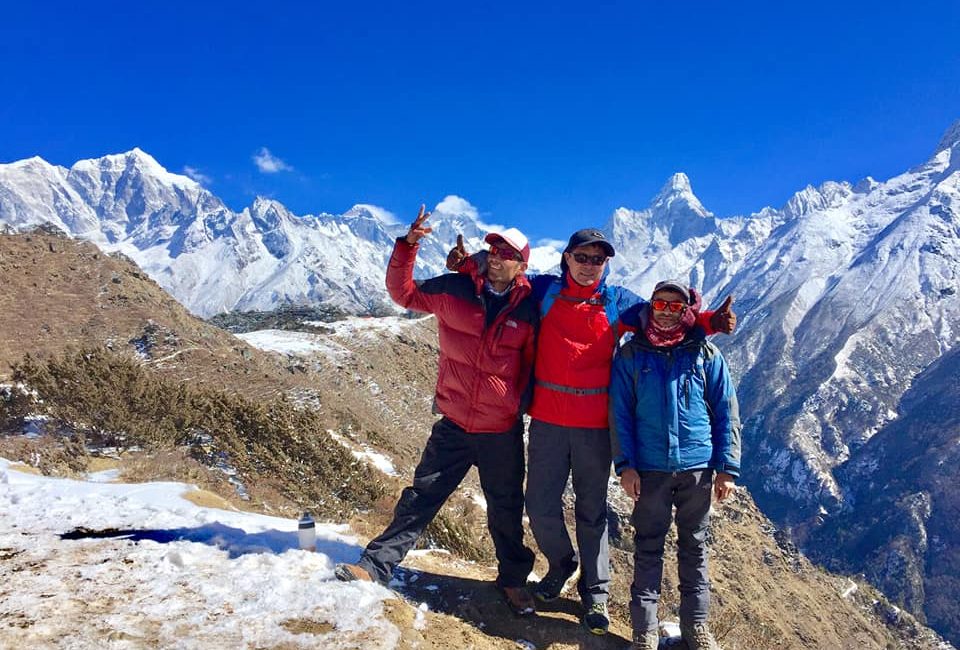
(511,334)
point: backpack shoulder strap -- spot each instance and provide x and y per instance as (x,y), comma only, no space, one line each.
(612,308)
(553,290)
(705,352)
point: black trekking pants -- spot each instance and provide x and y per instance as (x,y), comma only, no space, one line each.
(448,455)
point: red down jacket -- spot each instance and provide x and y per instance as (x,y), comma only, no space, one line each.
(483,372)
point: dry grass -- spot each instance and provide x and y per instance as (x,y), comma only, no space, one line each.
(24,469)
(102,464)
(206,499)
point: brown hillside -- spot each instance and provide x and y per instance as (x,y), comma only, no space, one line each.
(61,294)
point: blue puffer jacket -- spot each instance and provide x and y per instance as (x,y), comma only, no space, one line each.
(674,409)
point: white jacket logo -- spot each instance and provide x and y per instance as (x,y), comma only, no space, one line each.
(511,323)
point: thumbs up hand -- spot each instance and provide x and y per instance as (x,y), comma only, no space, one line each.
(724,319)
(457,255)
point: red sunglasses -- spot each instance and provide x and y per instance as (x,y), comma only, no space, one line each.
(505,253)
(663,305)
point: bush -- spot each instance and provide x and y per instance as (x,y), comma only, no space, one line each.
(112,400)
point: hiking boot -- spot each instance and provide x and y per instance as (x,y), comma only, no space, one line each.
(698,637)
(649,640)
(556,582)
(351,572)
(519,600)
(597,620)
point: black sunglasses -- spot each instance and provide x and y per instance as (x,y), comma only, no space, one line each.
(592,260)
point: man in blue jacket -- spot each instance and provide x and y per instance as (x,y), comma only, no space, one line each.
(675,432)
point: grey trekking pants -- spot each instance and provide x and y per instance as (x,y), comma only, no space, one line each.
(553,453)
(690,492)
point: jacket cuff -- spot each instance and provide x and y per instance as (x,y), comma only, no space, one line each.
(727,468)
(619,465)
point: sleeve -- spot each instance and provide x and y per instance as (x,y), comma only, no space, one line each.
(725,425)
(629,305)
(703,320)
(473,263)
(623,399)
(528,354)
(400,283)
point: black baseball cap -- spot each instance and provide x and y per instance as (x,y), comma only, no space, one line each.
(589,236)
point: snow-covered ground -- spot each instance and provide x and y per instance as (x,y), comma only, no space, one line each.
(294,343)
(305,344)
(171,573)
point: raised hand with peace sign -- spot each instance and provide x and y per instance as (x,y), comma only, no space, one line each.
(417,230)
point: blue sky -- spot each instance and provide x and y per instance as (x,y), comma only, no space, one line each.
(547,116)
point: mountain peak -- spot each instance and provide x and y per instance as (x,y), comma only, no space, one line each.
(33,161)
(369,211)
(136,159)
(135,156)
(264,202)
(677,193)
(950,138)
(679,182)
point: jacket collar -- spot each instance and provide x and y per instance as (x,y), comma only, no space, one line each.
(572,288)
(521,285)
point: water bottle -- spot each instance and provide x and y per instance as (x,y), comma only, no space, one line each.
(307,533)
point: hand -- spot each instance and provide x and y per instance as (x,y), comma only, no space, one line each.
(457,255)
(417,230)
(724,319)
(723,485)
(630,482)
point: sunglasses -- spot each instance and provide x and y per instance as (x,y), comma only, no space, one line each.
(592,260)
(663,305)
(505,253)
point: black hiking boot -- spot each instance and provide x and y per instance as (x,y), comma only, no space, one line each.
(597,619)
(555,583)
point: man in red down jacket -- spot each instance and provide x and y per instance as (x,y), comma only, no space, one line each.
(581,321)
(486,324)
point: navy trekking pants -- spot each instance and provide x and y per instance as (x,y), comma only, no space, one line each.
(690,492)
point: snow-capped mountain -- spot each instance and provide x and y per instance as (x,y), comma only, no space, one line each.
(212,259)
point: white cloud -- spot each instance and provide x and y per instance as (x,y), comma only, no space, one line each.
(270,164)
(453,204)
(197,175)
(544,259)
(382,214)
(546,242)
